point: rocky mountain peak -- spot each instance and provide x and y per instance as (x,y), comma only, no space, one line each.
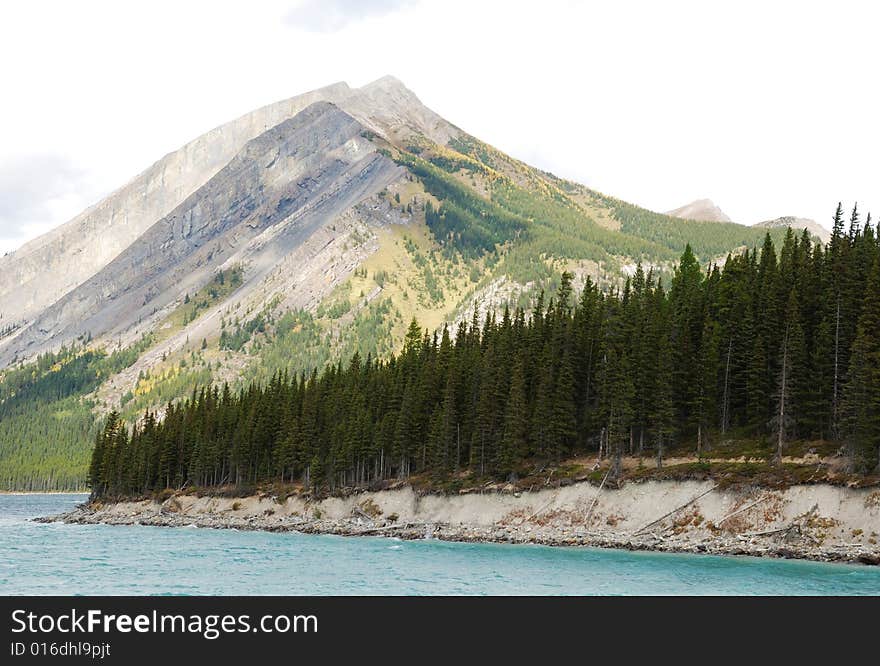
(387,82)
(388,107)
(701,209)
(798,224)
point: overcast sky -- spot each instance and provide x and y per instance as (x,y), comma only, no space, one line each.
(767,108)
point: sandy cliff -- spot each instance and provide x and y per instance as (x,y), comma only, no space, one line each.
(820,522)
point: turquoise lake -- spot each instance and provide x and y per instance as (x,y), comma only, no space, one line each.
(84,559)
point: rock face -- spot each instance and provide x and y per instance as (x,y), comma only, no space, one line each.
(701,209)
(798,224)
(42,271)
(290,166)
(289,180)
(392,110)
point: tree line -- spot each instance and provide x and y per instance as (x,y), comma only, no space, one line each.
(773,344)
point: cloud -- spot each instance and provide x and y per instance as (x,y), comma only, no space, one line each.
(36,191)
(334,15)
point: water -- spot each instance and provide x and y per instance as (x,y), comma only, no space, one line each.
(98,559)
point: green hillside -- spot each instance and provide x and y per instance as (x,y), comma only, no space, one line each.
(479,218)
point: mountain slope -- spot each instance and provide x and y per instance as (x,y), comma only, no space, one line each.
(300,234)
(298,174)
(46,268)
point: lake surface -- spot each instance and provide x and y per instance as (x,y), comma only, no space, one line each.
(99,559)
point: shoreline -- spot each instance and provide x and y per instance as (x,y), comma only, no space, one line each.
(44,492)
(476,534)
(817,523)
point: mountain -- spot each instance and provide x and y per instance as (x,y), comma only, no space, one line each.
(701,209)
(797,224)
(48,267)
(288,181)
(705,209)
(302,233)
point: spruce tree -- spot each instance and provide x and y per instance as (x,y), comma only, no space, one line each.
(514,442)
(790,390)
(563,417)
(862,395)
(705,404)
(618,408)
(663,410)
(686,326)
(854,224)
(542,405)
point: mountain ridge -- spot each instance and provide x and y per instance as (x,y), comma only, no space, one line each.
(31,277)
(337,235)
(133,273)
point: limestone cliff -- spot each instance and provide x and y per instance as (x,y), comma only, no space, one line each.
(291,179)
(45,269)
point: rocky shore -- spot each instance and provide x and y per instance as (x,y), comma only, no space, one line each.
(821,523)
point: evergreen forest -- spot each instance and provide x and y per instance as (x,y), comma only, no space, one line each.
(779,344)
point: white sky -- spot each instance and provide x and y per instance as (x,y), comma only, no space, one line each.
(768,108)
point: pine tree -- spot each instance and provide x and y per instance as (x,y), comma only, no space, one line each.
(101,455)
(854,225)
(756,386)
(485,434)
(686,304)
(542,405)
(837,229)
(619,411)
(663,410)
(862,394)
(563,420)
(707,391)
(514,442)
(792,370)
(769,311)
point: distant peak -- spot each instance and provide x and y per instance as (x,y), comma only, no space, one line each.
(392,110)
(798,224)
(386,82)
(701,209)
(389,87)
